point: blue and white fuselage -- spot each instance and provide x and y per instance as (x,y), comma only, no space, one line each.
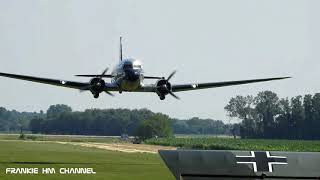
(128,75)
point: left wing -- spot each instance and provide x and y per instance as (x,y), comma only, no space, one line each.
(196,86)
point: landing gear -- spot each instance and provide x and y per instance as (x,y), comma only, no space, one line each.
(162,97)
(96,95)
(120,92)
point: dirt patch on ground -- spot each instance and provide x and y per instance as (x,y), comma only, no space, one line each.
(123,147)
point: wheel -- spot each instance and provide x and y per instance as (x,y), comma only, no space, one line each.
(120,92)
(162,97)
(96,95)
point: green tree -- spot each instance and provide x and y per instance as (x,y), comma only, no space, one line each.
(241,107)
(36,125)
(158,125)
(284,120)
(316,115)
(267,108)
(309,122)
(297,117)
(249,129)
(56,110)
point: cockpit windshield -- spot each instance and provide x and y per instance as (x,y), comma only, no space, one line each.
(136,66)
(131,64)
(127,66)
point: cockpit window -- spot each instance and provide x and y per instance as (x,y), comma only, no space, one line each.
(127,66)
(137,66)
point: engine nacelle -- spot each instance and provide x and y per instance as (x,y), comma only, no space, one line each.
(97,85)
(163,87)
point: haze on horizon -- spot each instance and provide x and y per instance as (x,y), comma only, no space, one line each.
(206,41)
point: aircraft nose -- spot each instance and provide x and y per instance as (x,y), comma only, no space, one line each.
(132,75)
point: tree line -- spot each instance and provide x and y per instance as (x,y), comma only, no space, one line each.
(61,119)
(196,125)
(268,116)
(12,120)
(262,116)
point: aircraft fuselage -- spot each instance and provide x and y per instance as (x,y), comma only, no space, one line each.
(128,74)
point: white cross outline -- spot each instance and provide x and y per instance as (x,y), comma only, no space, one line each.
(254,164)
(272,163)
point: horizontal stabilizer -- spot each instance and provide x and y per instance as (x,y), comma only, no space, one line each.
(111,76)
(95,75)
(214,164)
(152,77)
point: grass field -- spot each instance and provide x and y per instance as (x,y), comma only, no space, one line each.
(63,138)
(44,151)
(109,165)
(238,144)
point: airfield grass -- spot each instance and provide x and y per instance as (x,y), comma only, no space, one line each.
(63,138)
(108,165)
(205,142)
(43,151)
(216,143)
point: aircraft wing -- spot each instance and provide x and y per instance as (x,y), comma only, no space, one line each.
(250,165)
(196,86)
(55,82)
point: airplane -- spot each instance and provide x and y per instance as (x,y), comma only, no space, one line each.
(128,76)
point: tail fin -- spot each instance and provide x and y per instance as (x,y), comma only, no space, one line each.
(120,50)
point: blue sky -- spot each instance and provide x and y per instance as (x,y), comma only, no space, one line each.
(206,41)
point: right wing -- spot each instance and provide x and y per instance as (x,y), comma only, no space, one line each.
(196,86)
(57,82)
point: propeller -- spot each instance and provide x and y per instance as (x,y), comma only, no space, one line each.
(103,73)
(109,93)
(85,88)
(168,85)
(175,96)
(171,75)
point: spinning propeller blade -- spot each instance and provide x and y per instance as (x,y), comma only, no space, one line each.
(171,75)
(175,96)
(103,73)
(170,91)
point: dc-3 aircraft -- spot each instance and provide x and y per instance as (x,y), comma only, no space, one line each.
(128,76)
